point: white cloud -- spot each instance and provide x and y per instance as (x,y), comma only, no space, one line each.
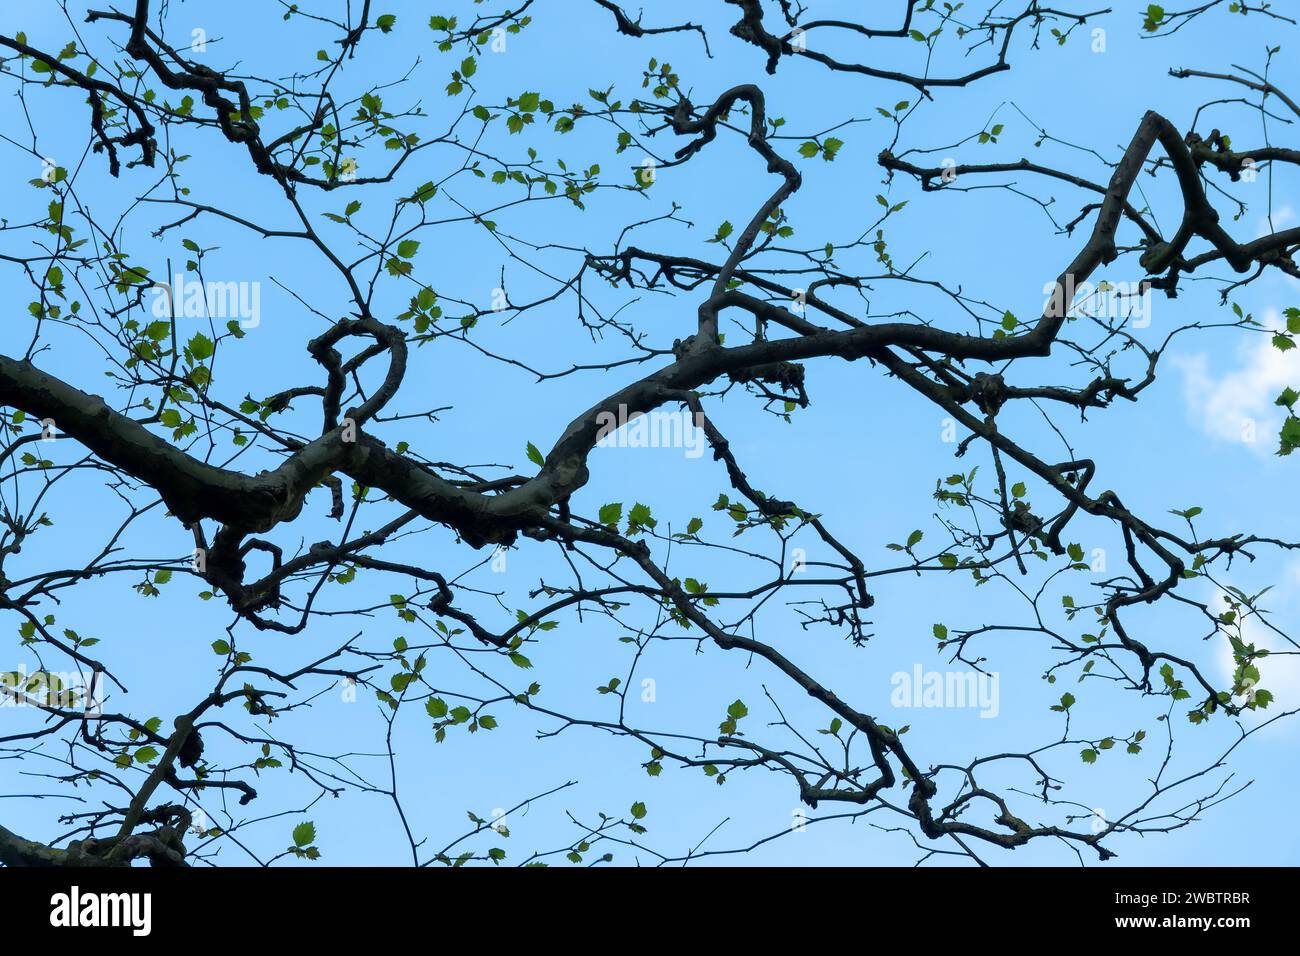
(1239,404)
(1280,219)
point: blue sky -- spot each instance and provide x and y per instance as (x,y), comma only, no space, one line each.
(865,454)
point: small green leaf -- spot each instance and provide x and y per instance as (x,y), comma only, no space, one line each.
(200,347)
(304,834)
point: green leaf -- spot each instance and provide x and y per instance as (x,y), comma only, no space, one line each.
(1290,435)
(640,517)
(158,330)
(220,647)
(304,834)
(638,811)
(200,347)
(535,456)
